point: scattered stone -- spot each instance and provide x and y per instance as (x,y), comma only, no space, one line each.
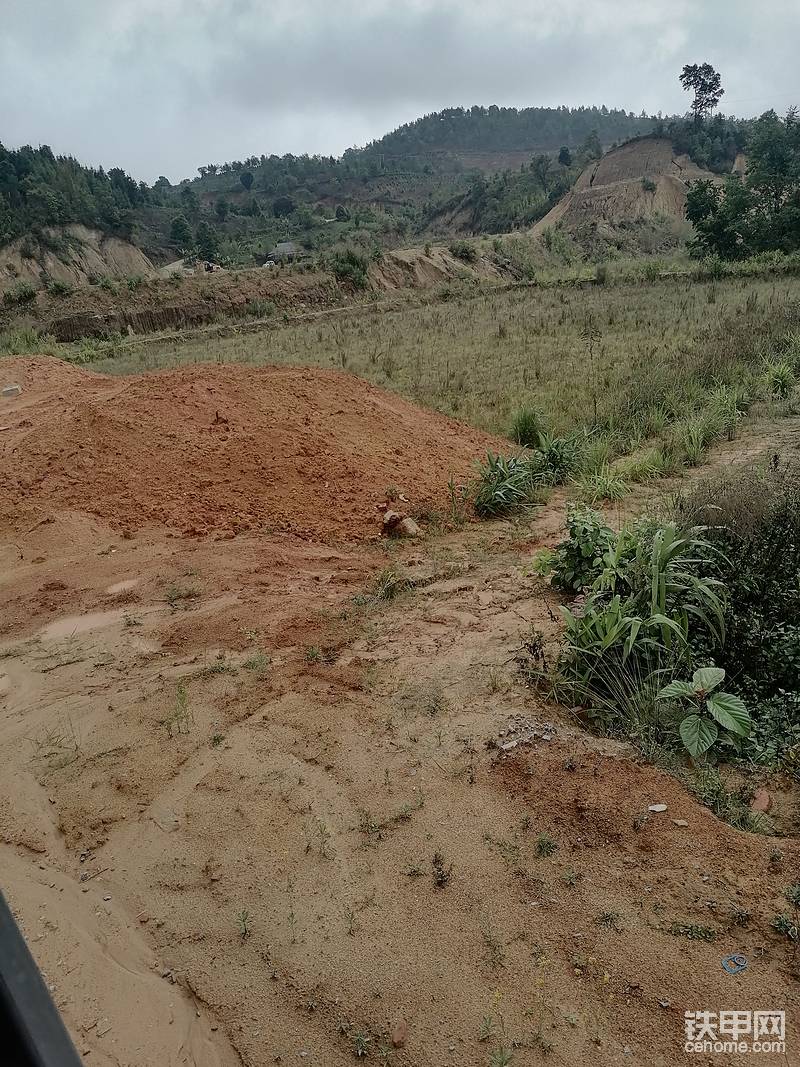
(657,807)
(679,822)
(12,390)
(107,896)
(521,730)
(762,801)
(400,1034)
(395,524)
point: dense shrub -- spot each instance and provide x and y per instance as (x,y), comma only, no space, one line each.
(753,519)
(575,564)
(647,594)
(19,294)
(350,266)
(464,251)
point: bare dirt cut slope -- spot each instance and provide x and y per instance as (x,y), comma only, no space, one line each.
(213,449)
(87,253)
(638,180)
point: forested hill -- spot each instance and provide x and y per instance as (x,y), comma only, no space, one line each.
(40,189)
(419,163)
(508,129)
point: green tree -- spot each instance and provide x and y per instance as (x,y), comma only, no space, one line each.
(207,241)
(721,218)
(773,168)
(761,213)
(540,165)
(181,232)
(283,206)
(189,199)
(246,178)
(591,147)
(565,156)
(221,208)
(706,84)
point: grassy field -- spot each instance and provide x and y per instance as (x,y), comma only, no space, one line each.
(578,353)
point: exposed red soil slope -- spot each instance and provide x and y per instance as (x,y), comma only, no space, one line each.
(219,449)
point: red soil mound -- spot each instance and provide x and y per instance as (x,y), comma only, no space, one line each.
(222,448)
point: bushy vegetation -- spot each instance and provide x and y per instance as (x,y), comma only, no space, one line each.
(39,189)
(20,294)
(686,634)
(757,213)
(351,266)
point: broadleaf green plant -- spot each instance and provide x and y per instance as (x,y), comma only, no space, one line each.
(710,710)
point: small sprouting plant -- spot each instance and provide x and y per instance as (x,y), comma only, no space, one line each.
(790,925)
(175,593)
(243,921)
(609,919)
(786,926)
(710,710)
(545,845)
(361,1044)
(487,1029)
(257,663)
(220,666)
(180,718)
(441,871)
(571,878)
(495,949)
(693,932)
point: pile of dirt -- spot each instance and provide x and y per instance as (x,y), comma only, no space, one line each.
(84,253)
(642,179)
(221,449)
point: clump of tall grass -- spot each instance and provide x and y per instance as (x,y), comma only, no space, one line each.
(505,484)
(779,378)
(24,340)
(654,462)
(605,483)
(527,427)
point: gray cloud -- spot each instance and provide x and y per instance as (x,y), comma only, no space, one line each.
(162,86)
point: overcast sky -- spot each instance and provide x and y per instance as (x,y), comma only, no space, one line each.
(162,86)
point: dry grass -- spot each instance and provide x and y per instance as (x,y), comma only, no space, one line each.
(481,357)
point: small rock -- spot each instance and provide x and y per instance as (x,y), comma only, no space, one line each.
(762,801)
(657,807)
(396,524)
(12,390)
(400,1034)
(679,822)
(107,896)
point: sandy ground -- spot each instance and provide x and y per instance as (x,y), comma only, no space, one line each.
(252,814)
